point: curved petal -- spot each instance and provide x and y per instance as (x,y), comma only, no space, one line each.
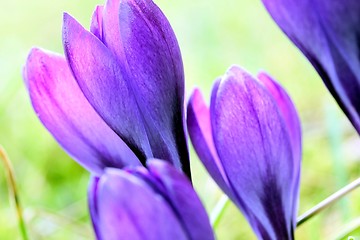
(341,20)
(111,29)
(200,132)
(289,114)
(185,203)
(104,86)
(327,32)
(92,203)
(287,110)
(153,61)
(129,209)
(96,27)
(140,36)
(65,112)
(253,144)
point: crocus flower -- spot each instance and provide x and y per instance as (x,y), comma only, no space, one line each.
(154,203)
(117,96)
(250,143)
(327,32)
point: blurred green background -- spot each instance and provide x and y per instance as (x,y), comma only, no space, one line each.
(212,36)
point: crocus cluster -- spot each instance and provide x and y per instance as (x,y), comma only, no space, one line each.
(249,140)
(117,97)
(115,102)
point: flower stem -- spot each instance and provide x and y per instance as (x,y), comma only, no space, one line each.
(218,210)
(14,193)
(327,202)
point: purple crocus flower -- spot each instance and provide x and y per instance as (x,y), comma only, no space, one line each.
(154,203)
(250,143)
(117,96)
(328,33)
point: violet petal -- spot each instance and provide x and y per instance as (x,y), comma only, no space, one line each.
(154,65)
(129,209)
(111,29)
(182,197)
(96,22)
(327,32)
(255,151)
(65,112)
(92,202)
(200,132)
(100,77)
(292,120)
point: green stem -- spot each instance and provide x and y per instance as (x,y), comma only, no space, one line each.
(14,193)
(328,201)
(219,210)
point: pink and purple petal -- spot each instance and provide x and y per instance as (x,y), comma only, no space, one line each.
(65,112)
(127,208)
(136,83)
(101,79)
(178,191)
(200,132)
(96,27)
(92,191)
(253,145)
(142,38)
(327,32)
(111,29)
(292,120)
(287,111)
(155,70)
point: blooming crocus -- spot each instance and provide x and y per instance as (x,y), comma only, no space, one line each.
(327,32)
(117,97)
(154,203)
(249,140)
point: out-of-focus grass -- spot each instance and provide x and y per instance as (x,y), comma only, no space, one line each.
(212,36)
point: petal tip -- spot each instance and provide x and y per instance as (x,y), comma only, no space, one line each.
(262,73)
(234,68)
(66,18)
(34,53)
(237,72)
(196,93)
(69,23)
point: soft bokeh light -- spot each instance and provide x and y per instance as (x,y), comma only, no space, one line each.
(212,35)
